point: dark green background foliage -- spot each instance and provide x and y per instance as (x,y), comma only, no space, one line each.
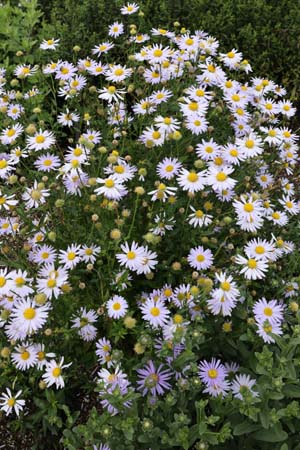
(266,31)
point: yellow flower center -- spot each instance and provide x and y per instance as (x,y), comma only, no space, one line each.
(192,177)
(225,286)
(193,106)
(11,402)
(268,311)
(20,281)
(40,139)
(248,207)
(156,134)
(178,318)
(56,372)
(131,255)
(155,311)
(276,215)
(268,328)
(51,283)
(230,55)
(221,176)
(3,163)
(36,194)
(157,53)
(252,264)
(200,258)
(199,214)
(212,373)
(71,256)
(249,143)
(119,72)
(109,183)
(29,313)
(64,70)
(25,355)
(116,306)
(235,98)
(41,356)
(11,132)
(260,250)
(2,282)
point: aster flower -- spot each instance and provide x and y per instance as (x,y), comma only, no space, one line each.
(10,402)
(153,380)
(155,312)
(268,310)
(49,44)
(53,373)
(241,385)
(29,316)
(42,140)
(212,372)
(117,307)
(199,258)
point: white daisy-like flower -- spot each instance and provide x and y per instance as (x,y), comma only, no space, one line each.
(83,322)
(162,192)
(111,188)
(111,94)
(29,315)
(155,312)
(11,134)
(49,44)
(260,249)
(116,29)
(7,201)
(70,257)
(268,310)
(10,402)
(24,356)
(192,181)
(89,253)
(264,329)
(35,196)
(117,73)
(199,258)
(42,140)
(241,385)
(53,373)
(132,257)
(253,269)
(68,118)
(51,279)
(117,307)
(129,8)
(149,261)
(168,168)
(198,218)
(219,178)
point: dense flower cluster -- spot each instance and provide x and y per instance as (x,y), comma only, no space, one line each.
(141,198)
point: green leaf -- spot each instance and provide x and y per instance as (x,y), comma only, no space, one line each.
(265,419)
(245,428)
(274,434)
(291,390)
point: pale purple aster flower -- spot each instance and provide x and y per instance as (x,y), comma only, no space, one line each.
(153,380)
(102,447)
(219,388)
(122,389)
(213,372)
(241,384)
